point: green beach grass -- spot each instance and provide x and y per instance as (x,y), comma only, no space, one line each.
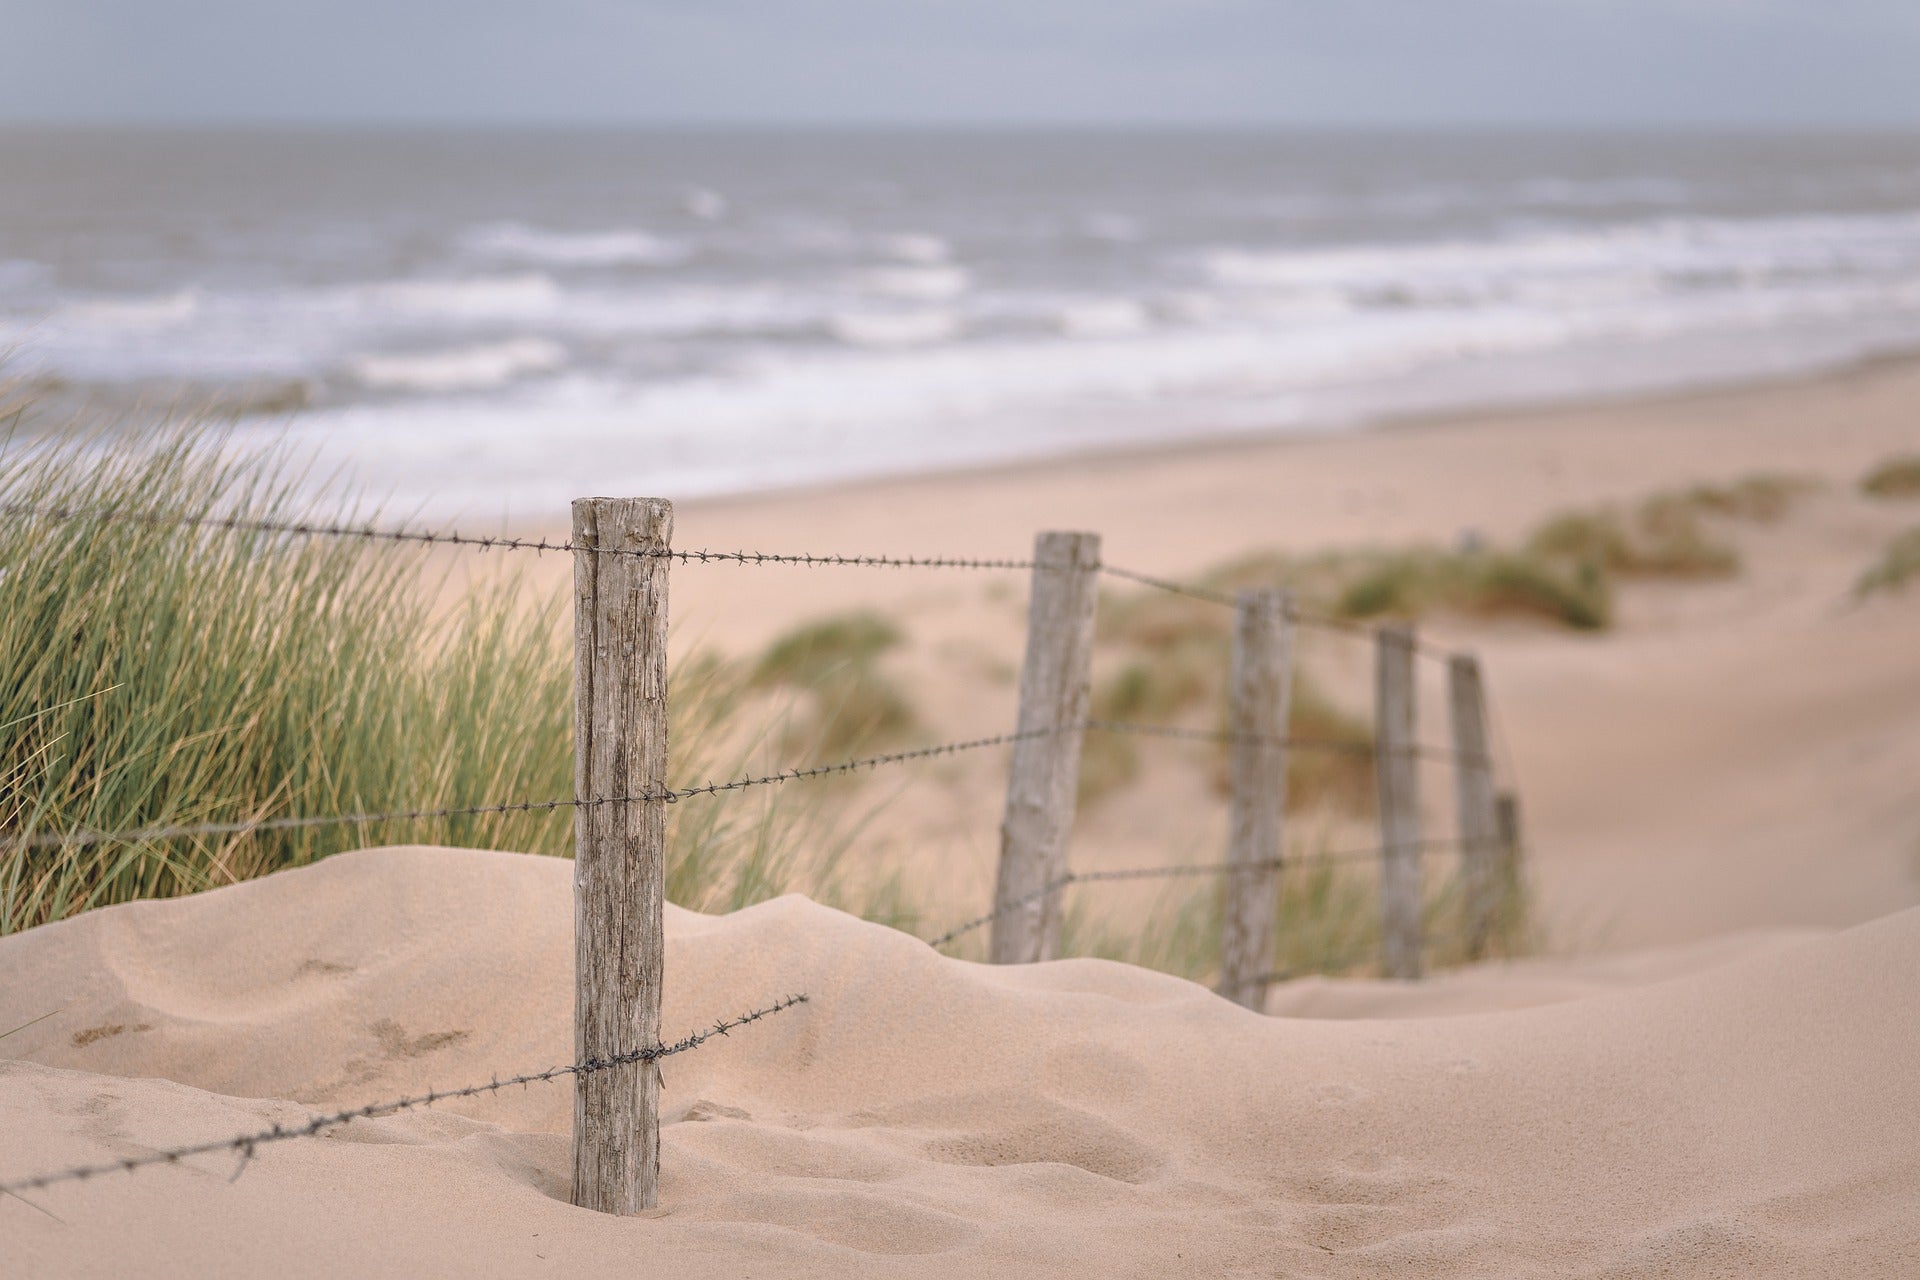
(153,673)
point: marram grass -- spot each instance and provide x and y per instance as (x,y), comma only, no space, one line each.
(153,673)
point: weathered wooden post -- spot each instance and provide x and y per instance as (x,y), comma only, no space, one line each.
(1398,792)
(1262,684)
(1511,845)
(620,750)
(1473,800)
(1045,776)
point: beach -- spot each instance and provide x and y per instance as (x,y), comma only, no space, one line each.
(1702,1069)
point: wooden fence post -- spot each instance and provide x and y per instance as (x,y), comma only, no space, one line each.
(1511,845)
(1262,684)
(620,749)
(1473,799)
(1398,794)
(1045,775)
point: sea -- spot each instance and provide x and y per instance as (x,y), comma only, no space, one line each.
(493,322)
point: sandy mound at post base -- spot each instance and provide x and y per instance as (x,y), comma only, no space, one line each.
(926,1116)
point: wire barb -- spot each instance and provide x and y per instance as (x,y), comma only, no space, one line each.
(246,1144)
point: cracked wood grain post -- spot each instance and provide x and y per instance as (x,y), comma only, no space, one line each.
(1044,779)
(1475,817)
(620,749)
(1262,682)
(1397,786)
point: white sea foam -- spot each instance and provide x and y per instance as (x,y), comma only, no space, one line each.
(916,246)
(1103,318)
(477,368)
(920,284)
(895,328)
(806,415)
(1658,256)
(515,241)
(526,295)
(146,312)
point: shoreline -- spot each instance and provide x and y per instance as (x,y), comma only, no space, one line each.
(1226,444)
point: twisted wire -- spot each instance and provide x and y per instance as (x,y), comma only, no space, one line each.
(1053,886)
(1331,745)
(1170,587)
(490,542)
(83,839)
(502,542)
(245,1144)
(252,826)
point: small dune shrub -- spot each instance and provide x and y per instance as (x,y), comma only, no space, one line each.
(1665,537)
(1763,497)
(1478,583)
(1899,563)
(1897,477)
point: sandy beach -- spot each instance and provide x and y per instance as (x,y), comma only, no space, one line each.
(1705,1071)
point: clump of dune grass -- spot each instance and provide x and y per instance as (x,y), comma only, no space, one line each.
(1366,583)
(155,671)
(1486,584)
(1763,497)
(1664,537)
(1562,573)
(1896,477)
(1897,564)
(851,704)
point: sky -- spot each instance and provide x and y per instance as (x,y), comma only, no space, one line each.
(1813,64)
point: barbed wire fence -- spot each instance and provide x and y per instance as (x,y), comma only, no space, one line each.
(246,1144)
(622,548)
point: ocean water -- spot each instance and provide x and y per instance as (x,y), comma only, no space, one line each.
(496,322)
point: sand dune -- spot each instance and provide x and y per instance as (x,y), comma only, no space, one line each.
(1755,1115)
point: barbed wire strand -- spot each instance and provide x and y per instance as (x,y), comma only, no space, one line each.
(1170,587)
(137,835)
(502,542)
(252,826)
(1332,745)
(1300,862)
(246,1144)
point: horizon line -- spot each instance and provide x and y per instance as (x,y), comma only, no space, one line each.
(401,124)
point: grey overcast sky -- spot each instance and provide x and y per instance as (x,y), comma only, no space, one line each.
(1634,63)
